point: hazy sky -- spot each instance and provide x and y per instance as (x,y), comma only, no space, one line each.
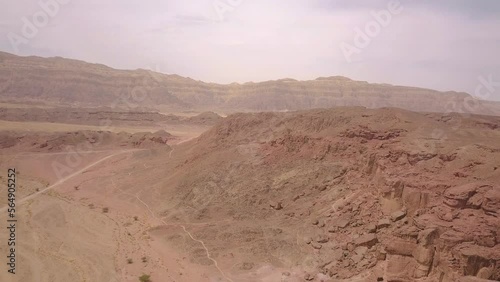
(444,45)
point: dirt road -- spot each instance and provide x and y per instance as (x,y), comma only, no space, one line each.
(62,180)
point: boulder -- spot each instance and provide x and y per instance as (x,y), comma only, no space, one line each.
(383,223)
(308,240)
(398,215)
(341,222)
(423,255)
(473,258)
(276,205)
(336,254)
(457,197)
(427,236)
(400,247)
(367,240)
(356,258)
(485,237)
(332,229)
(315,245)
(322,239)
(371,228)
(491,202)
(381,254)
(451,238)
(350,247)
(475,201)
(407,232)
(485,273)
(400,268)
(361,250)
(414,199)
(421,271)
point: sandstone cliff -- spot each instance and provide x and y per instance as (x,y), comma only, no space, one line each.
(77,83)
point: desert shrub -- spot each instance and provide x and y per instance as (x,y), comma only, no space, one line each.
(105,210)
(145,278)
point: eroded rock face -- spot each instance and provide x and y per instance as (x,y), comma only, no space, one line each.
(428,236)
(83,140)
(457,234)
(383,223)
(381,202)
(26,79)
(476,201)
(400,268)
(367,240)
(397,215)
(491,202)
(400,247)
(457,197)
(476,260)
(423,255)
(452,238)
(415,199)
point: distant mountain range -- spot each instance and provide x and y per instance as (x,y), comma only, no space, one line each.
(79,84)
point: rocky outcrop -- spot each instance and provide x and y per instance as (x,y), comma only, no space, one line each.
(104,115)
(370,209)
(491,202)
(457,197)
(85,140)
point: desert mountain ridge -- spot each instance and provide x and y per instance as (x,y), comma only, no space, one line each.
(70,61)
(76,83)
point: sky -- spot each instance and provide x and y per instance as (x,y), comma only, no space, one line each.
(448,45)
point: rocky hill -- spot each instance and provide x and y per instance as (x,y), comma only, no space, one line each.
(348,193)
(81,140)
(76,83)
(100,116)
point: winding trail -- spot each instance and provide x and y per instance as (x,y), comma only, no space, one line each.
(59,153)
(62,180)
(216,264)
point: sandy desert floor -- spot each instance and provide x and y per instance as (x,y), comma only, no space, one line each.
(65,235)
(87,225)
